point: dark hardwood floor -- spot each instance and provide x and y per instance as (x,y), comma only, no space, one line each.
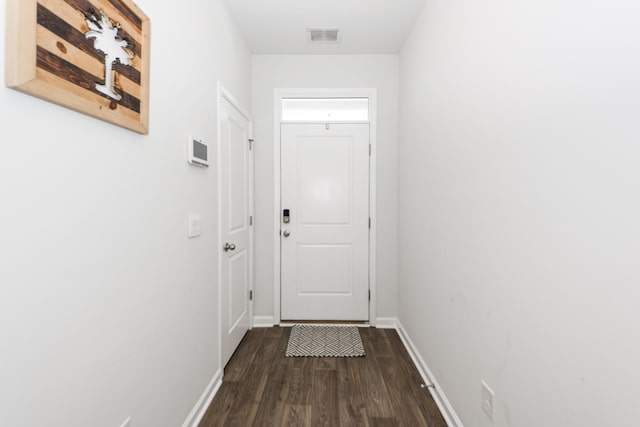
(262,387)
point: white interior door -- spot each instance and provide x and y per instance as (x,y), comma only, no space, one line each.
(235,265)
(325,243)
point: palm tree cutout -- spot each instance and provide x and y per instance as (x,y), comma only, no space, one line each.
(106,40)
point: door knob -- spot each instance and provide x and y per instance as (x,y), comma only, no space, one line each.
(229,247)
(286,233)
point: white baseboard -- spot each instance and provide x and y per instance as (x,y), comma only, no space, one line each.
(268,322)
(205,400)
(438,395)
(263,321)
(386,323)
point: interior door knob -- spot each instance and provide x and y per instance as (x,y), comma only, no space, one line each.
(229,247)
(286,233)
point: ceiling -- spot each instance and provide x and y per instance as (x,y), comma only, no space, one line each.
(366,26)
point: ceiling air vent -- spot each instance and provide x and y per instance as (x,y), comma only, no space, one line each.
(323,35)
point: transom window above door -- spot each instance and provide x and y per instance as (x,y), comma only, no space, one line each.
(325,110)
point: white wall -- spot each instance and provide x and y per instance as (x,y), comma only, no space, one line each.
(326,71)
(518,199)
(107,310)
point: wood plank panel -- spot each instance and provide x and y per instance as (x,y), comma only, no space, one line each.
(76,96)
(65,50)
(69,72)
(376,393)
(399,386)
(352,409)
(380,389)
(271,411)
(127,12)
(87,9)
(62,29)
(296,416)
(427,407)
(21,44)
(49,56)
(324,398)
(300,383)
(75,19)
(236,369)
(245,408)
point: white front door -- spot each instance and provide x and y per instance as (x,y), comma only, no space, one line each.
(235,197)
(325,237)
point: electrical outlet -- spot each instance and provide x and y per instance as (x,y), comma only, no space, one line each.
(486,399)
(126,423)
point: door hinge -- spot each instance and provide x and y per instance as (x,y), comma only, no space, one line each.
(369,223)
(370,149)
(250,144)
(250,220)
(369,294)
(250,295)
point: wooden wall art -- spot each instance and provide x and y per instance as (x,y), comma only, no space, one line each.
(88,55)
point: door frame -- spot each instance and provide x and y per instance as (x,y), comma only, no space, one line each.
(278,95)
(223,95)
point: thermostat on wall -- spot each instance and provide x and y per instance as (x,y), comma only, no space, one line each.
(198,152)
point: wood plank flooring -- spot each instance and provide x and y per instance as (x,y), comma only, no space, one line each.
(262,387)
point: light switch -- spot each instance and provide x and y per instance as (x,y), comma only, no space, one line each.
(195,225)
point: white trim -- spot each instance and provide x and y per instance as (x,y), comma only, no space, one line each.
(235,104)
(219,203)
(223,94)
(198,411)
(348,122)
(292,324)
(437,393)
(263,321)
(372,94)
(252,226)
(386,323)
(373,192)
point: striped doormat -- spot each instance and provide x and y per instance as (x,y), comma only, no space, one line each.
(325,341)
